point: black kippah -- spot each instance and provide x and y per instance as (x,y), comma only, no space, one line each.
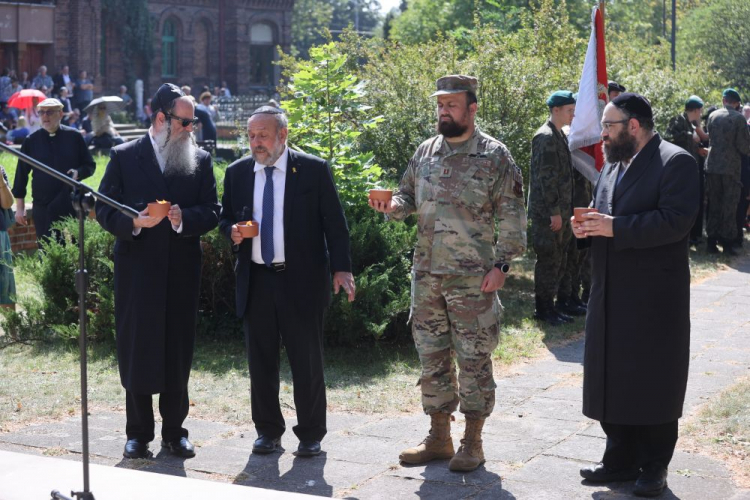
(634,104)
(167,93)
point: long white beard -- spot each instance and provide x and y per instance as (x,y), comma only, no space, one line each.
(179,153)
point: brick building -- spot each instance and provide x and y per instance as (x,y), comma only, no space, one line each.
(195,42)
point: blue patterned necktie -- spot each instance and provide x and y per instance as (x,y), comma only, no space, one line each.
(266,223)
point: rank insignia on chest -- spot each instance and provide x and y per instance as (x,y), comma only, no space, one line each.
(446,172)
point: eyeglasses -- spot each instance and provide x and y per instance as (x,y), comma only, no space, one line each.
(185,122)
(607,125)
(47,112)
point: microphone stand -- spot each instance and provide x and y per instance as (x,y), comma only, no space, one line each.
(83,198)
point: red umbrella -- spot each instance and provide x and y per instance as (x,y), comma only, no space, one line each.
(26,98)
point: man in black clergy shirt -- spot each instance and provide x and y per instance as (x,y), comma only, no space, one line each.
(61,148)
(635,362)
(284,275)
(158,267)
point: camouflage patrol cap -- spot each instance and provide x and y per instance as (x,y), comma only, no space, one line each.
(454,84)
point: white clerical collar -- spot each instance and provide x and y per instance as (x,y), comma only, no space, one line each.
(280,163)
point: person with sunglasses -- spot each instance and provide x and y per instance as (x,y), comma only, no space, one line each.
(61,148)
(158,267)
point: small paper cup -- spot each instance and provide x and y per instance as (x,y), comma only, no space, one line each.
(156,209)
(578,213)
(248,229)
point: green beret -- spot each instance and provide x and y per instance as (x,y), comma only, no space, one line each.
(732,95)
(561,98)
(694,102)
(454,84)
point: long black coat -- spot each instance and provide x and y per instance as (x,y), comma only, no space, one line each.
(157,273)
(315,229)
(638,324)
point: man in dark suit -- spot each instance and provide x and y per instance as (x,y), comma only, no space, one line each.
(158,267)
(284,274)
(638,325)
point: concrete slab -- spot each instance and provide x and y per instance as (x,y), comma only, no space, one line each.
(25,476)
(388,487)
(319,475)
(583,448)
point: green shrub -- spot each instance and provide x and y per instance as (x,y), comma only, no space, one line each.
(54,313)
(329,110)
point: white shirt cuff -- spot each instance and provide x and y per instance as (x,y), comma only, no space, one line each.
(178,230)
(137,231)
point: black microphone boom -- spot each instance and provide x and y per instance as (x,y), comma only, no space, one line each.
(83,198)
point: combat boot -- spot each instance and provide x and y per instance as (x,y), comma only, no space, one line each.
(726,246)
(560,314)
(711,246)
(470,454)
(545,312)
(438,443)
(566,305)
(578,301)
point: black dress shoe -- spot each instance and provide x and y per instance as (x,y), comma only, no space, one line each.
(600,473)
(180,447)
(265,445)
(308,448)
(136,449)
(651,482)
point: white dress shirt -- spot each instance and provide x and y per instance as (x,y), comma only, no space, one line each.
(279,184)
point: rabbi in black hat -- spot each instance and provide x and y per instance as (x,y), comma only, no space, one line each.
(158,267)
(638,326)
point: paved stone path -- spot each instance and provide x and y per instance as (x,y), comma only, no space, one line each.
(535,442)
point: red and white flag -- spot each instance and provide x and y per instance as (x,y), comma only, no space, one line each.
(585,131)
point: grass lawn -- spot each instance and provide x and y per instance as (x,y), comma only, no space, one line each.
(10,162)
(42,382)
(721,428)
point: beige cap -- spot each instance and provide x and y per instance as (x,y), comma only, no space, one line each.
(50,103)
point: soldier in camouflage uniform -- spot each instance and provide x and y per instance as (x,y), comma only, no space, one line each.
(463,186)
(729,139)
(551,206)
(684,130)
(578,264)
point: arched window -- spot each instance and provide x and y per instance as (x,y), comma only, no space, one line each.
(169,49)
(202,48)
(262,54)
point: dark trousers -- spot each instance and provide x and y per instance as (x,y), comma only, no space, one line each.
(742,213)
(696,233)
(637,446)
(272,320)
(173,407)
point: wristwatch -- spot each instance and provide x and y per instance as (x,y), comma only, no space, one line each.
(503,267)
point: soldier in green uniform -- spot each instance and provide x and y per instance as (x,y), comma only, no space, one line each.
(575,284)
(465,189)
(685,130)
(729,140)
(551,206)
(682,129)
